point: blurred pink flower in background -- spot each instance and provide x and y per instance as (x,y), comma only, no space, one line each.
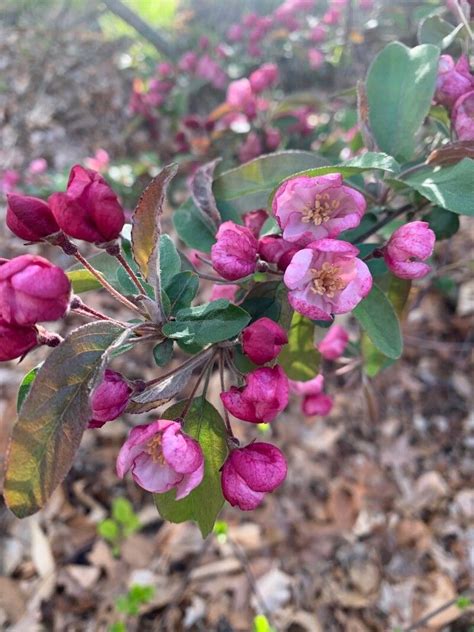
(315,401)
(99,162)
(315,58)
(333,344)
(463,116)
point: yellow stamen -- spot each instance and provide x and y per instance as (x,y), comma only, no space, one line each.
(326,281)
(322,209)
(153,448)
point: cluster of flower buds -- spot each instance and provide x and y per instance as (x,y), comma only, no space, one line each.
(455,90)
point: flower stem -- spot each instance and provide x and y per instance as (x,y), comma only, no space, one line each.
(106,285)
(207,366)
(221,373)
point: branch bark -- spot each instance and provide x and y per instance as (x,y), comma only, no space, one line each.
(127,15)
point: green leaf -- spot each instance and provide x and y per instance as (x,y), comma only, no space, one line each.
(163,352)
(192,228)
(54,416)
(366,162)
(248,187)
(109,530)
(300,358)
(444,223)
(207,323)
(377,317)
(82,281)
(448,187)
(434,30)
(204,503)
(122,511)
(400,87)
(25,386)
(182,290)
(170,261)
(264,300)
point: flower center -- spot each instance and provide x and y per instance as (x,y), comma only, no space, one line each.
(322,209)
(153,448)
(326,280)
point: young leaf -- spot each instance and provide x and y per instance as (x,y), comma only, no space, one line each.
(182,289)
(169,261)
(54,415)
(207,323)
(25,386)
(450,187)
(201,192)
(377,317)
(146,220)
(204,503)
(163,352)
(434,30)
(400,87)
(299,358)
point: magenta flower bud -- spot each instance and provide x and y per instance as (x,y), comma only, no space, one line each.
(254,220)
(315,58)
(326,278)
(272,138)
(318,34)
(454,80)
(221,290)
(275,249)
(263,397)
(188,62)
(250,472)
(316,208)
(333,345)
(109,399)
(241,97)
(315,401)
(462,117)
(262,340)
(89,210)
(30,218)
(161,457)
(407,248)
(15,341)
(251,148)
(264,77)
(235,33)
(32,290)
(234,255)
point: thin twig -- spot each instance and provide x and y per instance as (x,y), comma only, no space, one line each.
(221,373)
(91,313)
(182,366)
(106,285)
(207,366)
(123,262)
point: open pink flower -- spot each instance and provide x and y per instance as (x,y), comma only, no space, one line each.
(234,255)
(316,208)
(454,80)
(408,248)
(250,472)
(32,290)
(15,340)
(263,397)
(333,344)
(109,399)
(263,339)
(30,218)
(315,401)
(326,278)
(161,457)
(462,116)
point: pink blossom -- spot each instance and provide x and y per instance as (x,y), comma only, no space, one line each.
(407,248)
(234,255)
(275,249)
(161,457)
(318,33)
(272,138)
(89,209)
(241,97)
(463,116)
(235,33)
(263,340)
(251,148)
(208,69)
(250,19)
(32,290)
(303,124)
(100,162)
(38,166)
(165,69)
(454,80)
(326,278)
(315,58)
(254,220)
(188,62)
(250,472)
(332,16)
(264,77)
(15,340)
(333,344)
(254,50)
(224,290)
(315,401)
(263,397)
(30,218)
(8,180)
(109,399)
(315,208)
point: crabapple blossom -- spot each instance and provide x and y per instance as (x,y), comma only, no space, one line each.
(254,220)
(32,290)
(250,472)
(16,340)
(315,208)
(315,401)
(454,80)
(109,399)
(263,339)
(333,344)
(30,218)
(263,397)
(89,210)
(326,278)
(264,77)
(462,116)
(234,255)
(161,457)
(407,249)
(275,249)
(224,290)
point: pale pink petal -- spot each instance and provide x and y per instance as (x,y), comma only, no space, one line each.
(154,476)
(181,452)
(190,482)
(298,273)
